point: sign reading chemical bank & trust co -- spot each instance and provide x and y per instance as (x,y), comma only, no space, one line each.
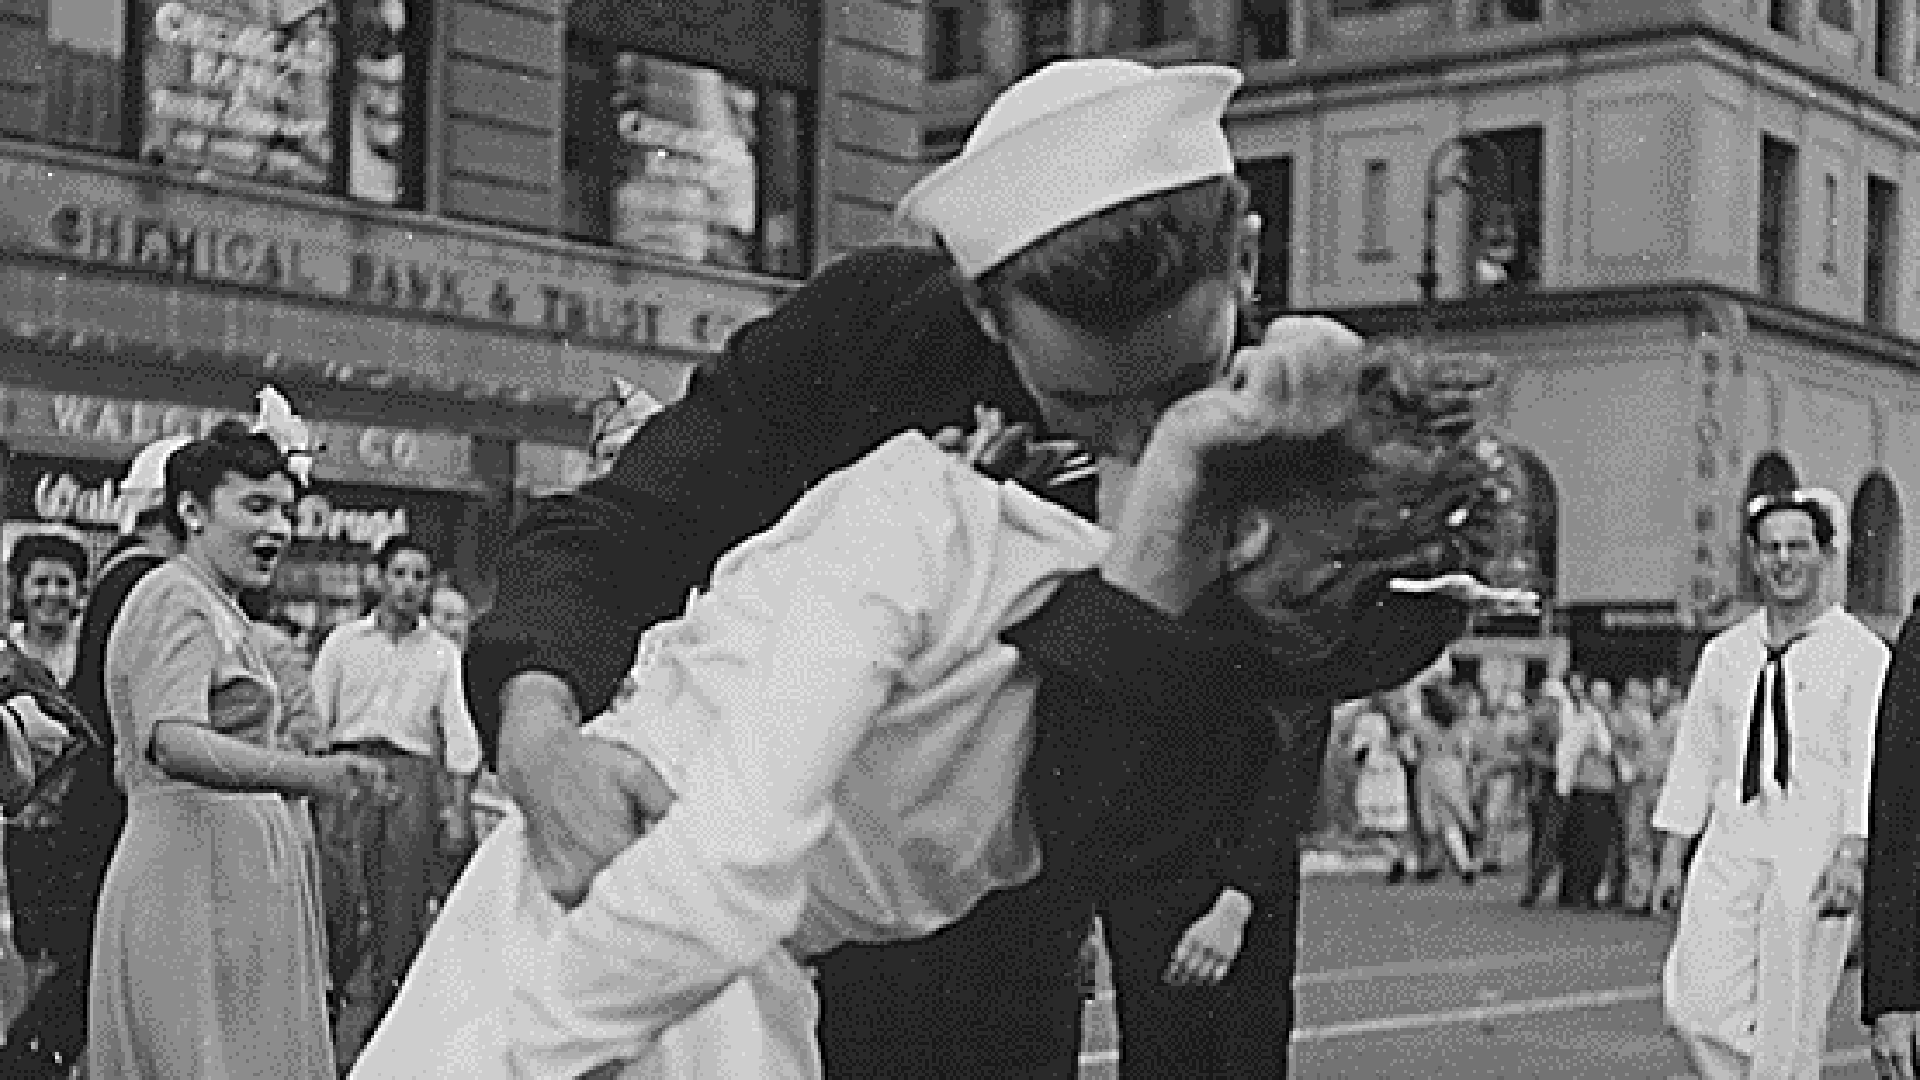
(193,236)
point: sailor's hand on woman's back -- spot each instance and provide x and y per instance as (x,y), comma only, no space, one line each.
(584,799)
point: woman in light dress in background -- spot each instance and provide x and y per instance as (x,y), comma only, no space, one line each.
(209,960)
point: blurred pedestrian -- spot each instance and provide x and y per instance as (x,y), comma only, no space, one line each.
(389,687)
(1588,778)
(1546,807)
(451,614)
(1381,795)
(1772,761)
(208,960)
(1633,738)
(1500,779)
(1443,789)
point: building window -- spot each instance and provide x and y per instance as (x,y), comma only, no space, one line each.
(1266,29)
(1504,12)
(1343,8)
(1874,548)
(1878,284)
(1271,184)
(1505,249)
(1376,194)
(1837,13)
(263,94)
(1830,252)
(684,160)
(1782,16)
(1047,28)
(79,49)
(956,40)
(1146,24)
(1778,163)
(1888,31)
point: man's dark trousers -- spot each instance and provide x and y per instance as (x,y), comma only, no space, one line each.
(1238,1029)
(994,995)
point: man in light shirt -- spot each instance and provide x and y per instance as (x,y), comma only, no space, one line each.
(1776,741)
(390,685)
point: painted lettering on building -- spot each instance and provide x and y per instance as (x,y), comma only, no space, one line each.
(589,312)
(318,520)
(354,452)
(171,247)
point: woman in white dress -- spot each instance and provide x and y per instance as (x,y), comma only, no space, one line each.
(845,731)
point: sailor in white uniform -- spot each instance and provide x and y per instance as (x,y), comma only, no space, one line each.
(1770,771)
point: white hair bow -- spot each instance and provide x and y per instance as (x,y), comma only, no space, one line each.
(278,422)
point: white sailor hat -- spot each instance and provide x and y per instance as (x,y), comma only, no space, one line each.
(1068,141)
(1819,503)
(146,478)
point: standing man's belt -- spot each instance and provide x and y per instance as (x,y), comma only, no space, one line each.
(371,748)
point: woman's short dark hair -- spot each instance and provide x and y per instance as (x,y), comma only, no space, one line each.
(231,448)
(51,547)
(1107,272)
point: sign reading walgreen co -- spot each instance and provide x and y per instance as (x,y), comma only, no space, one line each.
(222,240)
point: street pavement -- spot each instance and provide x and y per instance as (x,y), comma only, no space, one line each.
(1441,982)
(1450,982)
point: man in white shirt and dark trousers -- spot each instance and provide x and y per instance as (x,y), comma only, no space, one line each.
(1772,759)
(390,685)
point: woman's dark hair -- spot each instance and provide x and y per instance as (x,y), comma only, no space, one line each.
(231,448)
(1107,272)
(51,547)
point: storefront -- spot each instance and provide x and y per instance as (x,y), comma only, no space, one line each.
(67,452)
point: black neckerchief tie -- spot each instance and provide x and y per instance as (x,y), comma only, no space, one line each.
(1782,741)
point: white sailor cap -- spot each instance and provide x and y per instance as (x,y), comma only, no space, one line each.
(1068,141)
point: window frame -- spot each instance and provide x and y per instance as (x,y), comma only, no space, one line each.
(1880,266)
(1031,14)
(1273,184)
(1376,213)
(1774,269)
(806,180)
(1257,21)
(416,40)
(1503,178)
(948,55)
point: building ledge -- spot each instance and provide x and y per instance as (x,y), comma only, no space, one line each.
(1716,308)
(1275,85)
(620,263)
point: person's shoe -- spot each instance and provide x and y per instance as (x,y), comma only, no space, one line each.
(1427,876)
(1398,874)
(1467,877)
(1491,868)
(1530,898)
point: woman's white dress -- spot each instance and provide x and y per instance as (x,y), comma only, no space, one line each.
(845,733)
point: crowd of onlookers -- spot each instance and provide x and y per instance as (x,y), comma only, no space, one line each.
(1558,779)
